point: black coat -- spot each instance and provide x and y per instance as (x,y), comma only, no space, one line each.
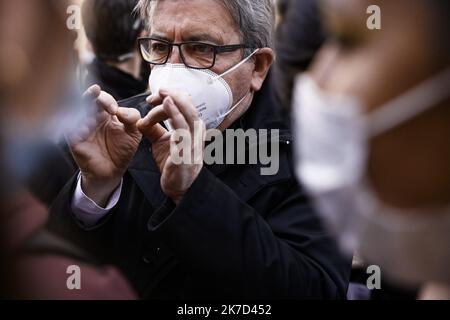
(236,233)
(119,84)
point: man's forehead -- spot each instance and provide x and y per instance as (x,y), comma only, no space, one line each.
(188,29)
(192,18)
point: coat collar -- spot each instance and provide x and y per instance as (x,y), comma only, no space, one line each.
(115,81)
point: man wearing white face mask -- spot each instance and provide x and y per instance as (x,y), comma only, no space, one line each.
(373,138)
(195,230)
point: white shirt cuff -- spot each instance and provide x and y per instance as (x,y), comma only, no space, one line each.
(86,211)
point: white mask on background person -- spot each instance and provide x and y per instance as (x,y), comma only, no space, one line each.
(210,93)
(333,133)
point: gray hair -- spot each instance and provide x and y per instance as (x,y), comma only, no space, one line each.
(255,19)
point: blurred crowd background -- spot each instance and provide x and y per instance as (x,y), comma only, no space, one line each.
(370,110)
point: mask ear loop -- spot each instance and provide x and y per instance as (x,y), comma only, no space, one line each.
(212,79)
(409,105)
(233,108)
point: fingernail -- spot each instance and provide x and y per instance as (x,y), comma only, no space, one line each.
(169,102)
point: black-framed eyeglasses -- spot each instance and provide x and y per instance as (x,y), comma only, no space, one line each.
(194,54)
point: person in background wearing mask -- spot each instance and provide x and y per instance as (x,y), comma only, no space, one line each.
(35,59)
(197,230)
(372,122)
(300,35)
(113,28)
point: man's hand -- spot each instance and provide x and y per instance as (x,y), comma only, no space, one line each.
(178,108)
(105,145)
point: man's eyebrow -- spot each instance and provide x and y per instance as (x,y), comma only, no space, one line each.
(204,37)
(160,37)
(194,37)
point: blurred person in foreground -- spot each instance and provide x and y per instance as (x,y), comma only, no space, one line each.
(372,121)
(300,35)
(113,28)
(35,105)
(199,230)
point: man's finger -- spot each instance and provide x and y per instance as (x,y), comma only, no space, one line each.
(92,93)
(149,126)
(178,120)
(106,102)
(129,117)
(153,133)
(155,99)
(155,116)
(184,104)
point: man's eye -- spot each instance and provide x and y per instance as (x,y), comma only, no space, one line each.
(159,47)
(201,48)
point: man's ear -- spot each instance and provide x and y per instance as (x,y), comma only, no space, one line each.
(263,61)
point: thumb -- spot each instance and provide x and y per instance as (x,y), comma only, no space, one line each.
(129,117)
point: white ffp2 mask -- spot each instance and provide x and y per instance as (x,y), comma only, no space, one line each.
(210,93)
